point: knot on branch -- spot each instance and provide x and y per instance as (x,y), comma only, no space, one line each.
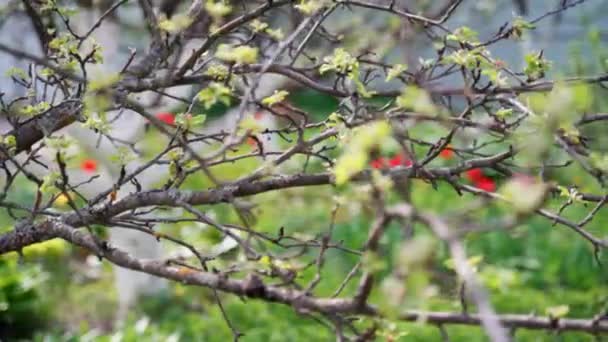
(253,286)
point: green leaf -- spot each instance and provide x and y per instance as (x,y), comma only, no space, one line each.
(16,72)
(277,97)
(395,71)
(198,120)
(495,76)
(417,100)
(176,24)
(214,93)
(340,61)
(536,66)
(217,9)
(186,121)
(219,72)
(257,25)
(9,142)
(464,34)
(557,311)
(123,156)
(466,58)
(599,160)
(520,26)
(104,82)
(473,262)
(67,11)
(310,7)
(250,124)
(571,193)
(360,86)
(241,54)
(58,143)
(503,113)
(355,157)
(571,132)
(39,108)
(276,34)
(348,165)
(48,182)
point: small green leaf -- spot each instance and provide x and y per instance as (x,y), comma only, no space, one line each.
(219,72)
(276,34)
(214,93)
(503,113)
(31,110)
(599,160)
(340,61)
(417,100)
(16,72)
(520,26)
(217,9)
(557,311)
(104,82)
(277,97)
(310,7)
(9,142)
(176,24)
(464,34)
(536,66)
(67,11)
(250,124)
(124,155)
(395,71)
(241,54)
(571,193)
(355,157)
(175,154)
(473,262)
(48,182)
(198,120)
(186,121)
(360,86)
(257,25)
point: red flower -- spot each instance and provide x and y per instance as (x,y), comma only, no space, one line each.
(258,115)
(378,163)
(446,153)
(486,184)
(475,175)
(89,165)
(166,117)
(396,161)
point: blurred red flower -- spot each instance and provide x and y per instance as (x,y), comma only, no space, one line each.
(446,153)
(486,184)
(395,161)
(475,175)
(399,160)
(378,163)
(166,117)
(89,165)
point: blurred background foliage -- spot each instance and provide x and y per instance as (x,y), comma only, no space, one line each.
(58,292)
